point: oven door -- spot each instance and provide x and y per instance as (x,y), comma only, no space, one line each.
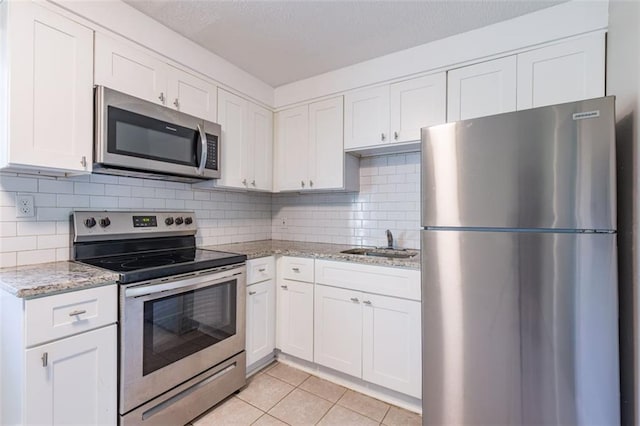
(136,134)
(172,330)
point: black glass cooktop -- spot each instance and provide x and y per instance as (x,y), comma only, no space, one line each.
(163,263)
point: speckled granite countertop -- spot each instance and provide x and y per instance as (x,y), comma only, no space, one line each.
(48,278)
(57,277)
(255,249)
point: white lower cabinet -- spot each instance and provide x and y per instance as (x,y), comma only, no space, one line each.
(59,358)
(295,318)
(391,343)
(338,329)
(261,318)
(73,380)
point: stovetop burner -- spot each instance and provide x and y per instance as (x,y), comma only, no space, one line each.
(143,245)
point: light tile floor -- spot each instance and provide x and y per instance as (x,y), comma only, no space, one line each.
(283,395)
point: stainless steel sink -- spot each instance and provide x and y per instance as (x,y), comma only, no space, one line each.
(382,252)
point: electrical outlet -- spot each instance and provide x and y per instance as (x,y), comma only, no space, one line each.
(25,205)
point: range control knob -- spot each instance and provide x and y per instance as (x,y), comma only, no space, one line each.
(168,221)
(105,222)
(188,221)
(179,220)
(90,222)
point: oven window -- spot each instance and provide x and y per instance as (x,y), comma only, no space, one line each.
(180,325)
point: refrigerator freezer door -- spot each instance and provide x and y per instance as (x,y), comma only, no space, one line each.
(519,328)
(550,167)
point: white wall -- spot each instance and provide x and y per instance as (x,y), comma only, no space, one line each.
(223,217)
(623,81)
(389,198)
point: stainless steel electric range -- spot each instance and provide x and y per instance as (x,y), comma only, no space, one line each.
(181,312)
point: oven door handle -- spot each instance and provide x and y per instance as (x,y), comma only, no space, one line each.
(156,289)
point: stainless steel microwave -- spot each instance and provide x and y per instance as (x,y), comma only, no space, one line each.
(138,138)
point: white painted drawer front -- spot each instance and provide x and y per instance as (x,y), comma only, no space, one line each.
(383,280)
(296,268)
(260,269)
(53,317)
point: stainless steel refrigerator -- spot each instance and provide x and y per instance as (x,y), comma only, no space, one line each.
(519,268)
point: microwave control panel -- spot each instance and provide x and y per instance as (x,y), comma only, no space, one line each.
(212,152)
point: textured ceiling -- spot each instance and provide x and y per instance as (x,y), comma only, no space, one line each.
(284,41)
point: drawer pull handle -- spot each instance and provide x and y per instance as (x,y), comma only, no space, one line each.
(79,312)
(251,293)
(45,359)
(262,269)
(367,302)
(295,269)
(355,299)
(284,287)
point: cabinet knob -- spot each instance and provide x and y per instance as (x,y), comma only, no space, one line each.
(45,359)
(84,161)
(253,182)
(367,302)
(302,183)
(310,182)
(251,293)
(284,287)
(77,312)
(244,182)
(262,269)
(355,299)
(176,103)
(161,97)
(295,269)
(395,135)
(382,137)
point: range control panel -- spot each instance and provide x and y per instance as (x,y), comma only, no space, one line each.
(103,225)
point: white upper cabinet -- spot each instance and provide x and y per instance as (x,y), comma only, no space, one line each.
(482,89)
(191,95)
(292,142)
(394,113)
(326,147)
(417,103)
(247,143)
(569,71)
(310,149)
(366,118)
(131,70)
(48,86)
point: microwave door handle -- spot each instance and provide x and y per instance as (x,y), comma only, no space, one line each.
(203,154)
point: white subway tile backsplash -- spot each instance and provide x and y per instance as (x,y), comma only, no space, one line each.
(388,198)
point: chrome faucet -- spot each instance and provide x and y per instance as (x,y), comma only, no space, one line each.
(389,239)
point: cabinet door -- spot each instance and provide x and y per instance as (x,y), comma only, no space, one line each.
(338,329)
(391,350)
(417,103)
(295,319)
(190,94)
(78,383)
(51,90)
(565,72)
(482,89)
(326,159)
(292,144)
(233,117)
(129,70)
(261,320)
(260,148)
(366,118)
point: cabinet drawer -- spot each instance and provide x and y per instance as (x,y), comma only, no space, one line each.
(296,268)
(53,317)
(260,269)
(383,280)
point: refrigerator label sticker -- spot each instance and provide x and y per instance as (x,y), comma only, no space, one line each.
(588,114)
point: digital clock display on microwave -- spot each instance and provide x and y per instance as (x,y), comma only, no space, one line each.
(144,221)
